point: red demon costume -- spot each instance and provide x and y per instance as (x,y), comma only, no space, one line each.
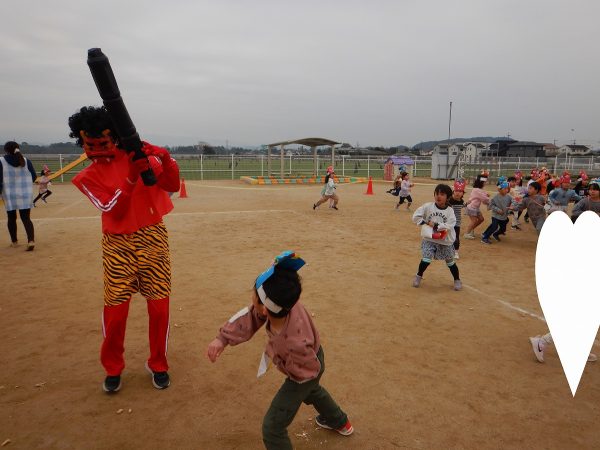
(135,249)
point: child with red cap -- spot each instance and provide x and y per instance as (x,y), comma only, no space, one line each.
(328,191)
(457,203)
(559,198)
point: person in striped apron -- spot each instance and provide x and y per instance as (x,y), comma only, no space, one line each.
(16,183)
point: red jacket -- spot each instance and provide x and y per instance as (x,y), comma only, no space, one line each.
(125,207)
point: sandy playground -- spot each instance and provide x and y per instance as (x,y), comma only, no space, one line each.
(414,368)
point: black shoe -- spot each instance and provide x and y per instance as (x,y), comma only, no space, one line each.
(160,380)
(314,206)
(496,237)
(335,207)
(112,384)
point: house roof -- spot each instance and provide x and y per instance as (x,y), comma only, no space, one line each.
(577,147)
(550,146)
(525,143)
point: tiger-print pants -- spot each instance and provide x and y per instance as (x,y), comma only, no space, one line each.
(137,262)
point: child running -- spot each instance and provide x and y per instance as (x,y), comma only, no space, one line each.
(44,182)
(457,203)
(476,198)
(591,203)
(500,206)
(560,197)
(517,191)
(404,194)
(396,189)
(328,191)
(534,203)
(294,348)
(539,343)
(437,221)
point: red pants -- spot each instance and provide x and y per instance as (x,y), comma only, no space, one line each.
(114,321)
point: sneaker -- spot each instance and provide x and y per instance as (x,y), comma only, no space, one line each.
(112,384)
(469,236)
(456,254)
(485,241)
(592,358)
(538,347)
(30,246)
(335,207)
(496,237)
(14,244)
(345,430)
(457,285)
(44,200)
(516,227)
(314,206)
(160,380)
(417,281)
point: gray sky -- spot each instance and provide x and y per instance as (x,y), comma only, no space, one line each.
(255,72)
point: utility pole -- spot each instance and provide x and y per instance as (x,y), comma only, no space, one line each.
(449,122)
(448,148)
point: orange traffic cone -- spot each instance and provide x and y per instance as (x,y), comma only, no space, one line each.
(182,191)
(370,187)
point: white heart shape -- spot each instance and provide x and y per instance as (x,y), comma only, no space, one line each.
(566,276)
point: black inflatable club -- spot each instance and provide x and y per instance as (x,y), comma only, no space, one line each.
(111,97)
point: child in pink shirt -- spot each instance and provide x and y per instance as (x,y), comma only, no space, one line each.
(476,198)
(293,347)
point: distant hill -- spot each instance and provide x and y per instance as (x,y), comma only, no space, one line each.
(430,144)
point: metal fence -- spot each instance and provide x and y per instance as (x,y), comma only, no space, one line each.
(222,167)
(506,166)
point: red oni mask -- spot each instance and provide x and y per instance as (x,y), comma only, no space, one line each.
(98,147)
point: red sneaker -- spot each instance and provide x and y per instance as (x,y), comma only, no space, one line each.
(345,430)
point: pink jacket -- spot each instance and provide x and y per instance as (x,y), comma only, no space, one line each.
(477,197)
(293,350)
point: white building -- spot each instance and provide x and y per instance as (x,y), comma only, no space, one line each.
(574,149)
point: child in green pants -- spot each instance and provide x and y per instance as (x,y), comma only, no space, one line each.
(293,347)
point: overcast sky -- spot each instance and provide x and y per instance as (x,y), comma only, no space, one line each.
(255,72)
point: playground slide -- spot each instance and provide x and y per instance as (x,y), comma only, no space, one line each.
(68,167)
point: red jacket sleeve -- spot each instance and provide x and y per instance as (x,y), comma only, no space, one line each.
(168,180)
(114,202)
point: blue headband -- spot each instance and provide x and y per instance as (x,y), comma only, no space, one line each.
(286,260)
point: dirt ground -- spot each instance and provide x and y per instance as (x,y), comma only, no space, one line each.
(413,368)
